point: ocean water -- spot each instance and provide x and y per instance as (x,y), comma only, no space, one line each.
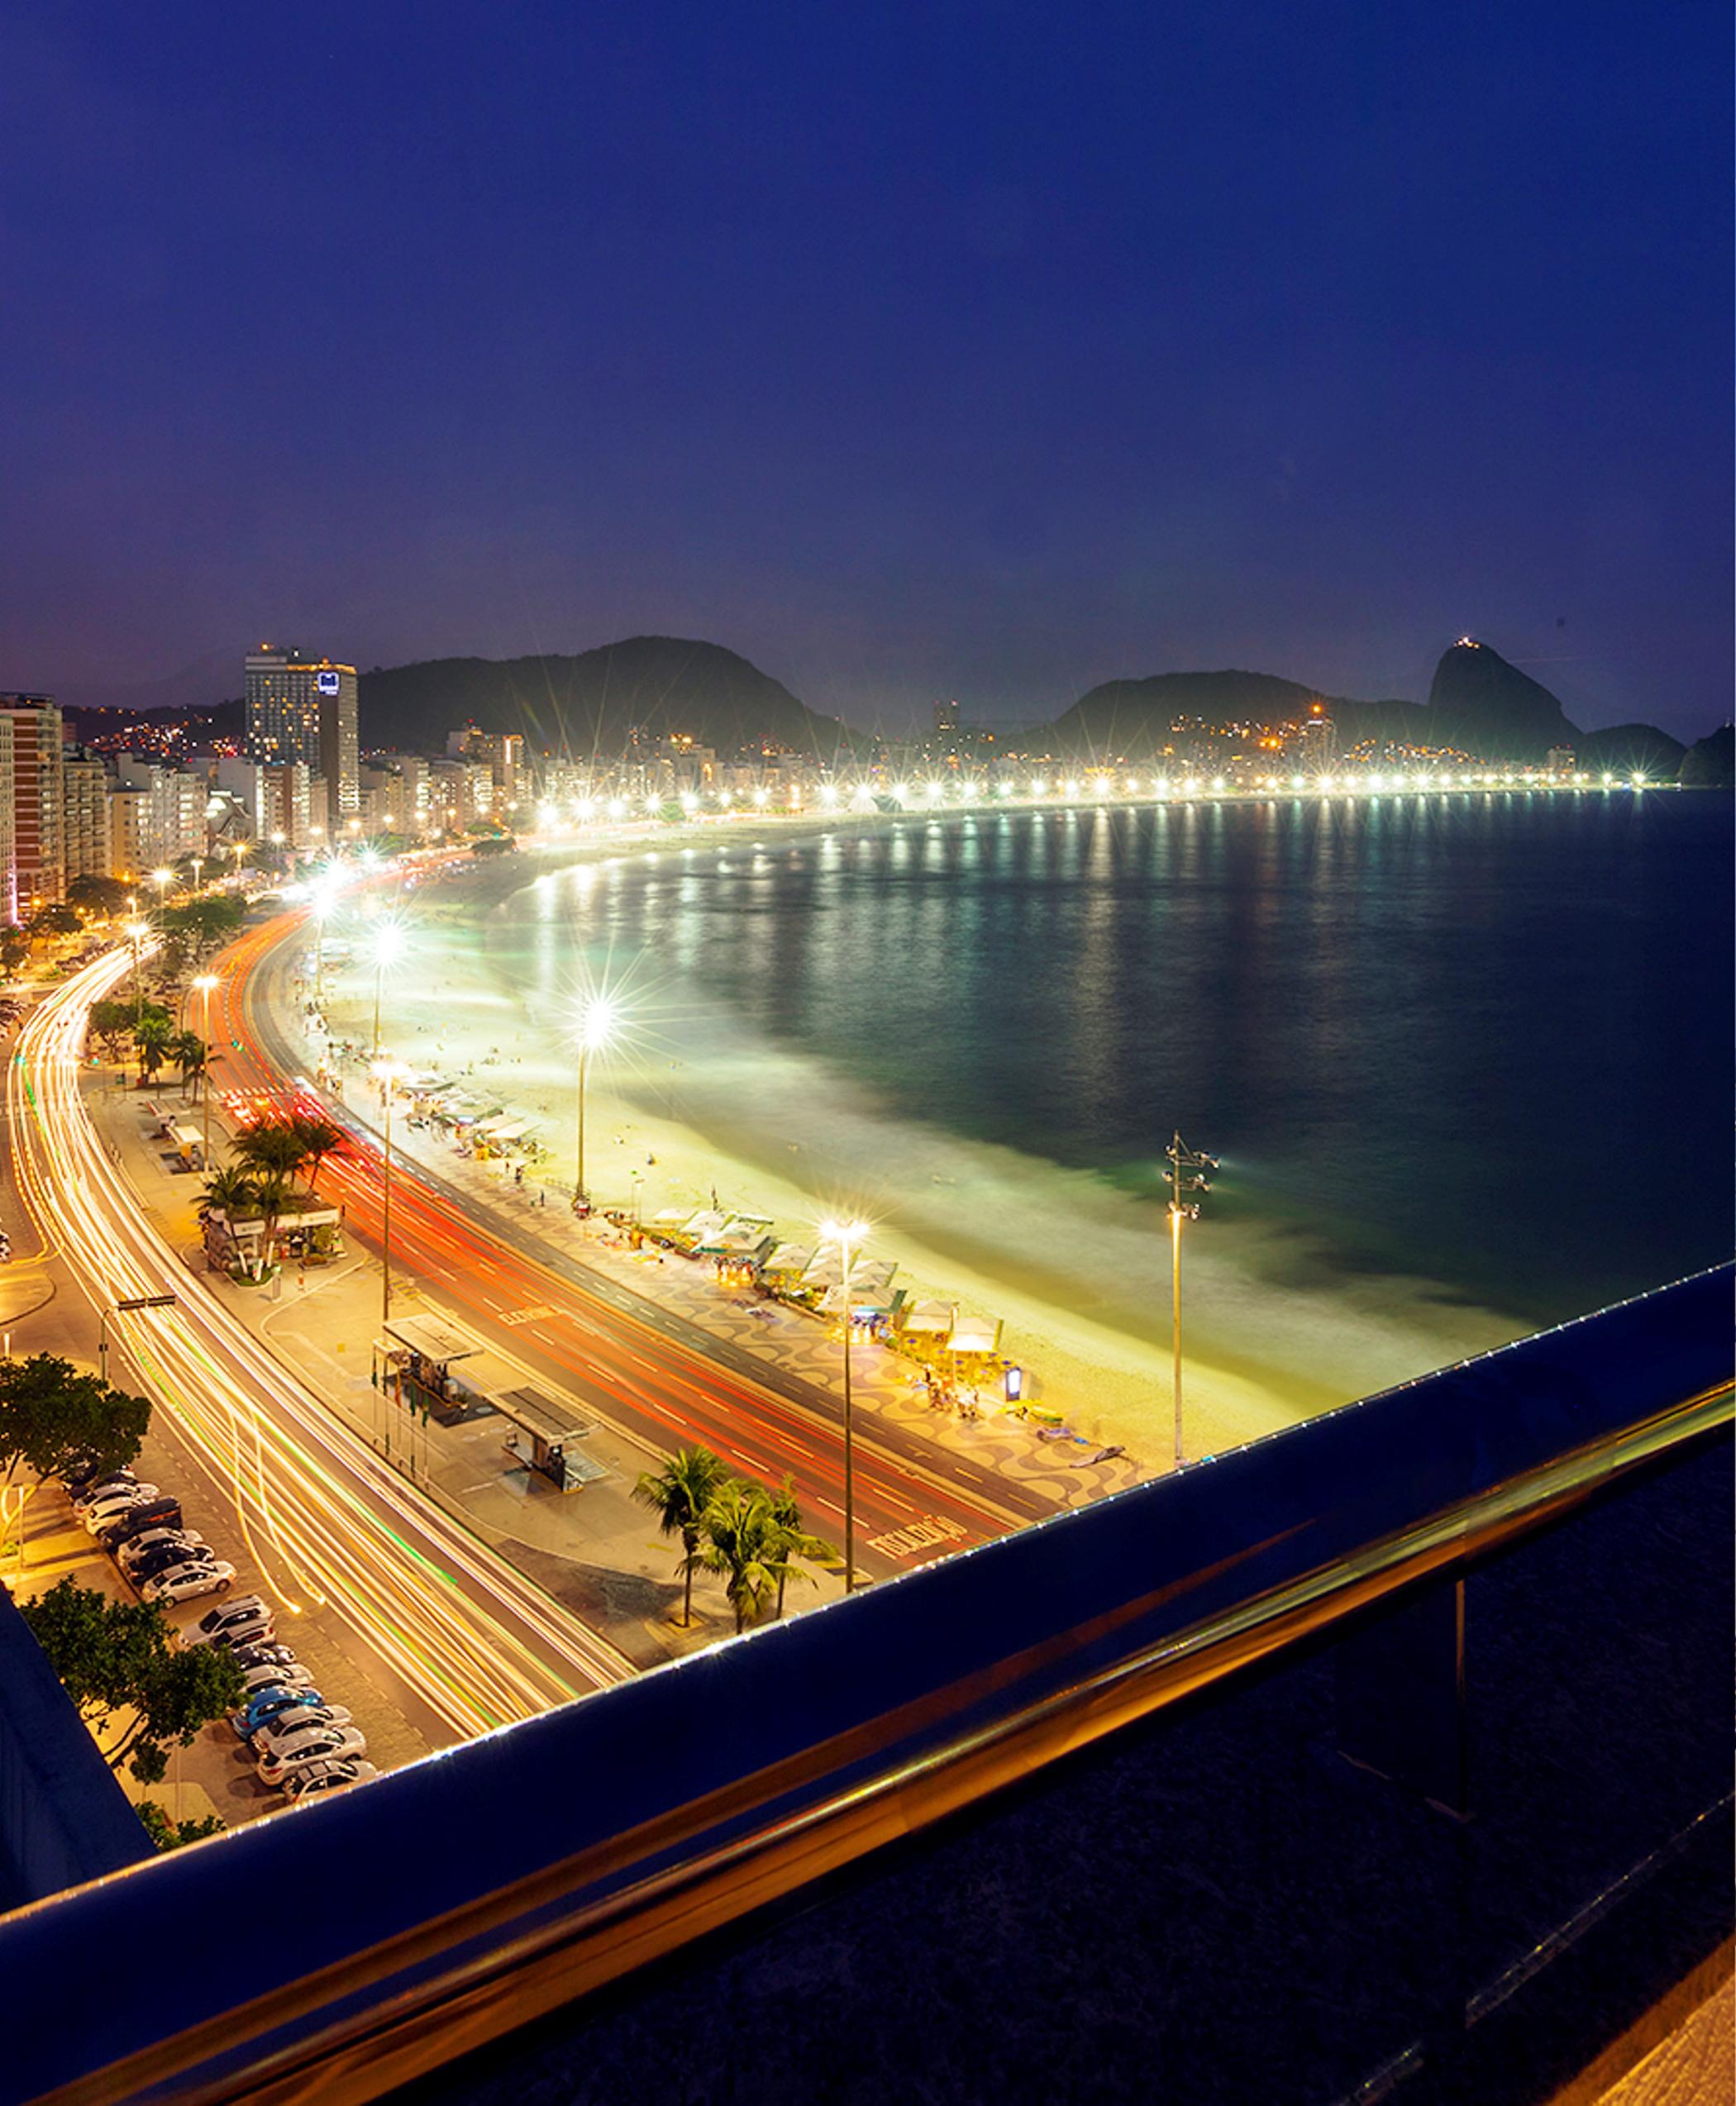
(1467,1061)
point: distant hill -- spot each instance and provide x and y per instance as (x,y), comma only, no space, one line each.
(1480,704)
(1710,762)
(1129,720)
(1629,748)
(590,702)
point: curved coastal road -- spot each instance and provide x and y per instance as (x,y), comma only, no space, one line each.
(643,1366)
(329,1524)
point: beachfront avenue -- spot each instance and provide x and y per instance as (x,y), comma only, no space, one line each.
(329,1528)
(567,1310)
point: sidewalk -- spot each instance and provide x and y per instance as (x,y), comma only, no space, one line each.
(598,1552)
(1061,1467)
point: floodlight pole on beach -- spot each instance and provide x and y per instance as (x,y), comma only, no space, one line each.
(598,1023)
(848,1235)
(1189,1171)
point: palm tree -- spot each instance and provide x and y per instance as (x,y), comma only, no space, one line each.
(232,1189)
(746,1545)
(153,1037)
(795,1541)
(319,1137)
(679,1495)
(187,1050)
(274,1151)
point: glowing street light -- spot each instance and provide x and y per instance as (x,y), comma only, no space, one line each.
(1189,1171)
(388,1074)
(203,984)
(597,1025)
(389,944)
(849,1236)
(137,931)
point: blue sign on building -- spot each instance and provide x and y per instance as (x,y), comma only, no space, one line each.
(326,683)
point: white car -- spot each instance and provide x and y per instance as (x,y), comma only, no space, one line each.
(246,1621)
(331,1774)
(274,1678)
(135,1551)
(286,1724)
(113,1503)
(186,1583)
(313,1744)
(112,1480)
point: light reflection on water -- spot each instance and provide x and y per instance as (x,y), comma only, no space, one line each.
(1483,1043)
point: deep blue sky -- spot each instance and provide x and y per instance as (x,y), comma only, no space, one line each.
(910,350)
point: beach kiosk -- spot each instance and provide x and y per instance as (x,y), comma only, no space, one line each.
(437,1366)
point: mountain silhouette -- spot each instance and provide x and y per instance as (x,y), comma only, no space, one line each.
(591,702)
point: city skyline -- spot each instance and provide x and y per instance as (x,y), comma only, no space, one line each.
(905,375)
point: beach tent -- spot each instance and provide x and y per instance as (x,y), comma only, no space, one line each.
(703,1229)
(974,1335)
(870,1291)
(669,1220)
(511,1129)
(743,1238)
(790,1260)
(827,1270)
(930,1319)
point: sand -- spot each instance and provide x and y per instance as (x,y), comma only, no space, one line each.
(1267,1343)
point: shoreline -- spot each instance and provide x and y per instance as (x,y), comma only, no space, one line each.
(459,1013)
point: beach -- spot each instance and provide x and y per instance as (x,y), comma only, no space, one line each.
(697,1106)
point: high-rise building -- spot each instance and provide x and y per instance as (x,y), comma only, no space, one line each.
(38,841)
(291,805)
(84,782)
(8,850)
(249,783)
(172,819)
(505,753)
(129,818)
(301,709)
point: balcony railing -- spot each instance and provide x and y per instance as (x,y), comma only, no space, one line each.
(454,1899)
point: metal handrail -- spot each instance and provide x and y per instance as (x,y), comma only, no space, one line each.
(485,1885)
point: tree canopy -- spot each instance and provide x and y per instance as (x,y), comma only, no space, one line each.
(52,1415)
(95,894)
(132,1687)
(204,923)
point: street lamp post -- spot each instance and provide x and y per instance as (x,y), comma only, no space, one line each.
(118,1308)
(205,981)
(389,946)
(388,1074)
(596,1028)
(137,931)
(848,1235)
(1188,1172)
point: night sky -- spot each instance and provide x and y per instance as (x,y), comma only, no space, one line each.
(912,350)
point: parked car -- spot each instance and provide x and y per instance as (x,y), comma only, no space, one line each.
(162,1557)
(265,1706)
(245,1621)
(188,1581)
(331,1774)
(110,1504)
(95,1488)
(154,1514)
(265,1652)
(311,1744)
(276,1732)
(253,1680)
(135,1549)
(89,1469)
